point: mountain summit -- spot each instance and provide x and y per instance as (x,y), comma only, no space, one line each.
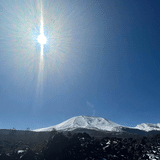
(86,122)
(98,124)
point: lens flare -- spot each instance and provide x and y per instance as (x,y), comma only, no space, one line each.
(42,40)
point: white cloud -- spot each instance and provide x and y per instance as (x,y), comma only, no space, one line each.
(91,106)
(94,112)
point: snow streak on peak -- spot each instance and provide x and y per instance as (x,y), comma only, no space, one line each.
(86,122)
(148,127)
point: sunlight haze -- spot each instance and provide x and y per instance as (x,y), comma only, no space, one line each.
(65,58)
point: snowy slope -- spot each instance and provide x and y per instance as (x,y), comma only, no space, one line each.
(148,127)
(100,124)
(86,122)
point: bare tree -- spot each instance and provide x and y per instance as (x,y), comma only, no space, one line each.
(13,131)
(28,129)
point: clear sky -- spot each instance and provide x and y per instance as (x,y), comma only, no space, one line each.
(102,58)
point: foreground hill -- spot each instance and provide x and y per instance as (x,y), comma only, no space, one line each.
(83,147)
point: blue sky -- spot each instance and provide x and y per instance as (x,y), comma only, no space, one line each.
(101,59)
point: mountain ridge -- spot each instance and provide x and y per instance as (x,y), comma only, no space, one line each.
(100,124)
(148,126)
(87,122)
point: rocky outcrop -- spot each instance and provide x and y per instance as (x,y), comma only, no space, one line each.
(83,147)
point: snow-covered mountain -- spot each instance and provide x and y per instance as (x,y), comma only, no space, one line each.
(100,124)
(148,127)
(86,122)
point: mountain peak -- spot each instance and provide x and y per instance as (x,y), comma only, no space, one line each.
(100,124)
(148,126)
(86,122)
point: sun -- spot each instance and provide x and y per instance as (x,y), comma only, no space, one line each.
(42,39)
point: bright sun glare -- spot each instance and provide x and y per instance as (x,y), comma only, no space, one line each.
(42,39)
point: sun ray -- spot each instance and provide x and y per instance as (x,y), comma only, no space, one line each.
(42,40)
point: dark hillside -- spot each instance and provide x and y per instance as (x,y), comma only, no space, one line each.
(81,146)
